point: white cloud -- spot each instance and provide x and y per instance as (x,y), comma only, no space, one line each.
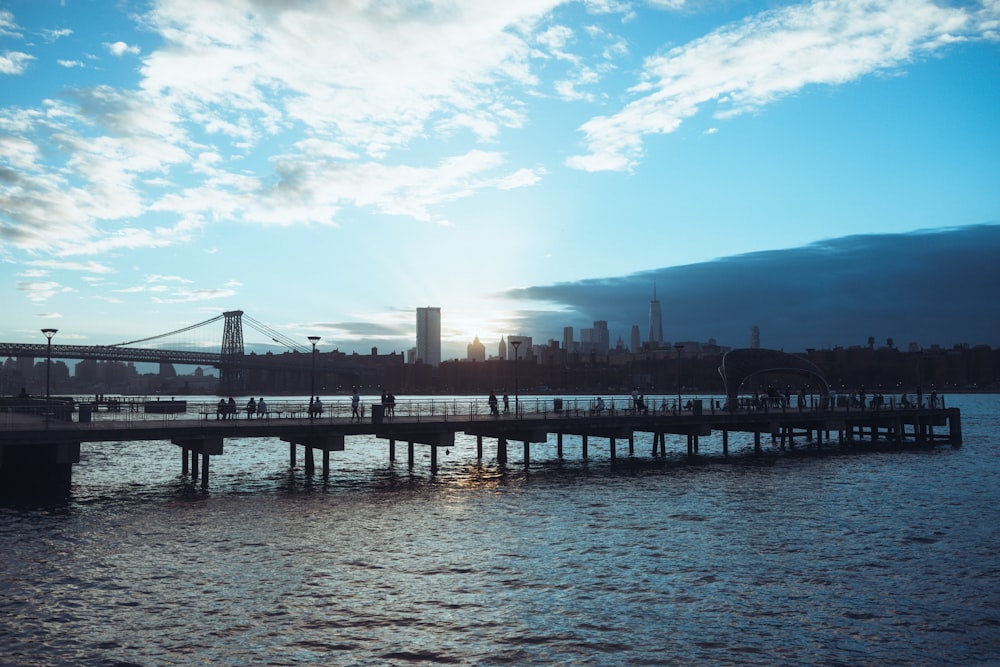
(158,278)
(53,35)
(14,62)
(190,296)
(8,28)
(120,49)
(87,267)
(622,7)
(19,153)
(373,77)
(316,192)
(668,4)
(233,75)
(38,291)
(753,63)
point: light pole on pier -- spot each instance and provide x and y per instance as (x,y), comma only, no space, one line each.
(312,381)
(517,402)
(678,347)
(49,333)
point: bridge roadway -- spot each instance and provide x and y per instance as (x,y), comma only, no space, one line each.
(110,353)
(285,361)
(28,442)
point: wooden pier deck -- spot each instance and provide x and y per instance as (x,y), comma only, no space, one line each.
(33,449)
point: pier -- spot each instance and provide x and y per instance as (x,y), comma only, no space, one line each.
(38,448)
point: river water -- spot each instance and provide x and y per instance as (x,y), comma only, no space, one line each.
(888,558)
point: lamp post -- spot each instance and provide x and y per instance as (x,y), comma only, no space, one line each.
(312,381)
(517,402)
(49,333)
(678,347)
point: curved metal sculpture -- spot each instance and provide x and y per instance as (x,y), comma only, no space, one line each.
(738,365)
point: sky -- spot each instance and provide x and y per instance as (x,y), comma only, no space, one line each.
(826,171)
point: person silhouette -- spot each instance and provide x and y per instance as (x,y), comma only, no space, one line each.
(355,404)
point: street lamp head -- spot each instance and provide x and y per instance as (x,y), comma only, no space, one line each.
(49,333)
(314,340)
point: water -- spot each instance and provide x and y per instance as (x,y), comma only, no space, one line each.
(844,559)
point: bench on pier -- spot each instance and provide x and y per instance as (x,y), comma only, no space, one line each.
(265,416)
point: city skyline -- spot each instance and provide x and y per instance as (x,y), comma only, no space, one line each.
(823,170)
(954,272)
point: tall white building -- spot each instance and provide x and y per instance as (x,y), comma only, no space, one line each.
(429,335)
(655,321)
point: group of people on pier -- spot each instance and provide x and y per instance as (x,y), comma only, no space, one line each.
(226,409)
(494,404)
(389,403)
(315,407)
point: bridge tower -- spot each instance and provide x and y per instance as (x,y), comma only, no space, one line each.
(232,376)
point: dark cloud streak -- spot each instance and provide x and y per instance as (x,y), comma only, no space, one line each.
(928,287)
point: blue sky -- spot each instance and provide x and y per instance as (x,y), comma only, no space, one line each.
(328,166)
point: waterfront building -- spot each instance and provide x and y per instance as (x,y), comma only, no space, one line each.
(429,335)
(636,343)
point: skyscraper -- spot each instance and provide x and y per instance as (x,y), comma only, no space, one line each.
(429,335)
(476,351)
(568,339)
(655,322)
(602,336)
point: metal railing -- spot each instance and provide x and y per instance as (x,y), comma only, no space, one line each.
(128,410)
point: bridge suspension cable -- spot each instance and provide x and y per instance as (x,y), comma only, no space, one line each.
(274,334)
(260,327)
(171,333)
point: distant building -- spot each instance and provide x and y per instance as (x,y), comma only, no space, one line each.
(429,335)
(476,351)
(602,337)
(524,350)
(655,322)
(502,349)
(568,339)
(755,337)
(636,343)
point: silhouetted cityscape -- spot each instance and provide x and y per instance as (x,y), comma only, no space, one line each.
(586,364)
(550,368)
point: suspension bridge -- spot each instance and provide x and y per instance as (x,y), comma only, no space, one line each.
(230,359)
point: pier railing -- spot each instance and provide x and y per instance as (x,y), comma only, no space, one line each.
(428,408)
